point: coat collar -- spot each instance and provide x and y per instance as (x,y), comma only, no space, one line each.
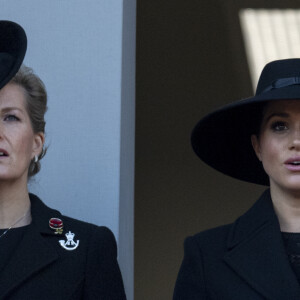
(41,214)
(257,217)
(35,252)
(256,252)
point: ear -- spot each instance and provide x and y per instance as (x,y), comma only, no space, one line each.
(256,145)
(38,143)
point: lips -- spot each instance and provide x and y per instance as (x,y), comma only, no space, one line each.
(3,153)
(293,163)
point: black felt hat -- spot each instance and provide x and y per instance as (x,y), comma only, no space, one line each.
(13,45)
(222,139)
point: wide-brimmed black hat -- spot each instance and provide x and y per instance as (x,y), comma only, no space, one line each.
(222,139)
(13,45)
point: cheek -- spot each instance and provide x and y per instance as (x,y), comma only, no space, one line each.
(270,150)
(25,144)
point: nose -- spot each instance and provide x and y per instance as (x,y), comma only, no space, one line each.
(295,140)
(1,131)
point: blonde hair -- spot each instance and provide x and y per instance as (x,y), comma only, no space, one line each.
(36,105)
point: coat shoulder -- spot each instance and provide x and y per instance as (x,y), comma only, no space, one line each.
(83,255)
(98,236)
(214,238)
(216,231)
(42,214)
(100,230)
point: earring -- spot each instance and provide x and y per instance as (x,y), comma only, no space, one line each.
(35,159)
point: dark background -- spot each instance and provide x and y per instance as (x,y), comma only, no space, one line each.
(190,60)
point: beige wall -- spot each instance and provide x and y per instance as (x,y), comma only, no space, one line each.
(190,60)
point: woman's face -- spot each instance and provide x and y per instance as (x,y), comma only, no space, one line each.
(18,143)
(278,144)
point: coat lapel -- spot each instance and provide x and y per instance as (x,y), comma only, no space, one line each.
(34,251)
(256,252)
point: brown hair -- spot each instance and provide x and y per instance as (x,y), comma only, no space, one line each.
(36,105)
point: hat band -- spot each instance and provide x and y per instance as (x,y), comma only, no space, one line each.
(282,82)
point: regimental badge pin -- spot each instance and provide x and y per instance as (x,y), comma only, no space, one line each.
(69,244)
(57,225)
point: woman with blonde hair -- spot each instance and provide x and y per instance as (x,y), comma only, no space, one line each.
(44,254)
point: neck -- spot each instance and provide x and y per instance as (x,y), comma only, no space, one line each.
(14,203)
(287,208)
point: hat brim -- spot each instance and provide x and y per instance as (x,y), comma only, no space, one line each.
(222,139)
(13,45)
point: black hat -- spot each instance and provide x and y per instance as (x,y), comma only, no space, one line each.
(13,44)
(222,138)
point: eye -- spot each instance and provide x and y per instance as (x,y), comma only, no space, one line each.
(279,126)
(11,117)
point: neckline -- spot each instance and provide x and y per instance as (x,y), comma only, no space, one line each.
(15,228)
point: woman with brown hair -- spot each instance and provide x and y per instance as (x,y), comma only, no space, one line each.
(256,140)
(44,254)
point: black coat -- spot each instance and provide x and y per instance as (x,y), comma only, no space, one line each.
(40,268)
(241,261)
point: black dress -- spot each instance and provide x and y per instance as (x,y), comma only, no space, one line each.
(9,242)
(292,246)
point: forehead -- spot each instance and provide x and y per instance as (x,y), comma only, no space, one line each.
(280,106)
(12,95)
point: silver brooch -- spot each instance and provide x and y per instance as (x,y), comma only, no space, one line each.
(69,244)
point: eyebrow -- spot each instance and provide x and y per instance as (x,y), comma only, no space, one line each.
(7,109)
(277,114)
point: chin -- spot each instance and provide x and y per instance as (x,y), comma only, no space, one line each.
(8,176)
(290,184)
(293,186)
